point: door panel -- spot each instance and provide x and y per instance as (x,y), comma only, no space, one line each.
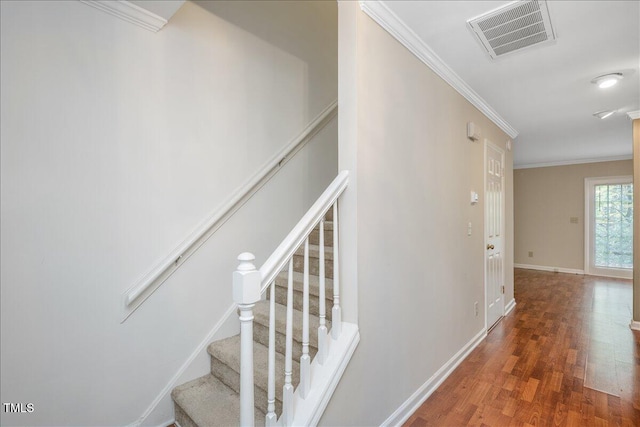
(494,225)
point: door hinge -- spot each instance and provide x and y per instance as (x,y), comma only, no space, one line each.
(503,289)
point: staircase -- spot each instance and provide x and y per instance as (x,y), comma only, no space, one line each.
(214,399)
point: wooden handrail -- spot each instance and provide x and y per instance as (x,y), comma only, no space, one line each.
(140,291)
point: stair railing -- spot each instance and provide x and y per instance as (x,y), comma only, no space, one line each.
(248,286)
(140,291)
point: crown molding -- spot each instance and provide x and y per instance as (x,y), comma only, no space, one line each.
(572,162)
(129,12)
(634,115)
(380,13)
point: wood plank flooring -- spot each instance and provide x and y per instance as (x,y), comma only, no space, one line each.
(564,357)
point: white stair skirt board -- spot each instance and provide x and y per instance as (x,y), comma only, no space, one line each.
(510,306)
(546,268)
(407,409)
(635,325)
(326,377)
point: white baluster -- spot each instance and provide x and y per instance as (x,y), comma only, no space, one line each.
(322,328)
(305,359)
(246,292)
(336,313)
(287,389)
(271,418)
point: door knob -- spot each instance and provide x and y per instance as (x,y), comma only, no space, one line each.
(490,247)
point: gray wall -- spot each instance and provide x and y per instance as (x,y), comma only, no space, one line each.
(545,200)
(418,273)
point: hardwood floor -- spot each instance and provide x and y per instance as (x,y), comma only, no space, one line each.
(564,357)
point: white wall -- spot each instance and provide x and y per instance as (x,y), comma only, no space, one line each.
(116,143)
(418,273)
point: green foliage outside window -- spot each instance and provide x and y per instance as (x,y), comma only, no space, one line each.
(614,225)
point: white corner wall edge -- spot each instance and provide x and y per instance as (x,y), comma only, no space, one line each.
(407,409)
(510,306)
(634,115)
(173,382)
(130,12)
(389,21)
(325,378)
(547,268)
(635,325)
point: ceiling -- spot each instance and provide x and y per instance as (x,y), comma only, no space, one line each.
(545,92)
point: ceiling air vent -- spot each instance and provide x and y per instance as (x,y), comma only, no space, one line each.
(513,27)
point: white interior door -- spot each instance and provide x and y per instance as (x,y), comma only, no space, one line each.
(494,235)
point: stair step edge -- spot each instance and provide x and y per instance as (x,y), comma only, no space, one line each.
(314,251)
(261,316)
(207,401)
(282,281)
(227,351)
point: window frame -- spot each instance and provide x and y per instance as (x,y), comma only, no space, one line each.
(589,228)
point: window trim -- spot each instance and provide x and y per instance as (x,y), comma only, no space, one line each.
(589,193)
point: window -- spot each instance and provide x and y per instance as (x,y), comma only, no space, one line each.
(609,226)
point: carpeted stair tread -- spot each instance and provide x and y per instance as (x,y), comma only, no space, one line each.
(261,328)
(282,280)
(314,290)
(207,402)
(227,351)
(314,260)
(314,237)
(314,251)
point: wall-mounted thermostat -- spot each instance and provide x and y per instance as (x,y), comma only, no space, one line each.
(473,131)
(474,197)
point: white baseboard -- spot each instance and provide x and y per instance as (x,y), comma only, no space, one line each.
(635,325)
(546,268)
(407,409)
(510,306)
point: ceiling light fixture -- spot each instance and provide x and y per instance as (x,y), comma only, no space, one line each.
(607,80)
(603,114)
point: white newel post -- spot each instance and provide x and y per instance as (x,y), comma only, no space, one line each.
(246,292)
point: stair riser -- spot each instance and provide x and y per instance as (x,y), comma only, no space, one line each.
(182,418)
(314,303)
(232,380)
(261,335)
(298,265)
(314,237)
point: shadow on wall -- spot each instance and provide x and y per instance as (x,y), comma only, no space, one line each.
(280,24)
